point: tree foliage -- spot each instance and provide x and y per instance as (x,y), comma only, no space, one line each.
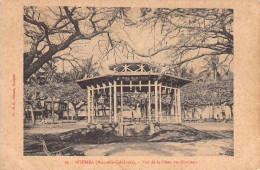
(220,92)
(60,86)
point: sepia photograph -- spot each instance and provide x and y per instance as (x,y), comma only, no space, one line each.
(128,81)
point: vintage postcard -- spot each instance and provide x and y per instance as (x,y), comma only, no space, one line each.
(130,84)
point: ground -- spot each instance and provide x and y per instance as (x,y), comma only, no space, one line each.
(201,148)
(189,139)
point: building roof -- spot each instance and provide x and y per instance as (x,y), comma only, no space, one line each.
(109,78)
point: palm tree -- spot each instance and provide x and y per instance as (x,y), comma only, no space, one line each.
(183,71)
(214,68)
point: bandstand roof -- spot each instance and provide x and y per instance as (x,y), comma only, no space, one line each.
(170,80)
(131,66)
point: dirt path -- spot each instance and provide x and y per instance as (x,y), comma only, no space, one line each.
(215,126)
(201,148)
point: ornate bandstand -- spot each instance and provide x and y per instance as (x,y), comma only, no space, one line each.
(134,89)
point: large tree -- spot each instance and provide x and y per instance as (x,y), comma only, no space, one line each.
(72,93)
(186,34)
(51,30)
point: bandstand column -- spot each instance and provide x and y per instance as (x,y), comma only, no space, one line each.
(160,101)
(179,104)
(156,100)
(149,103)
(172,102)
(121,108)
(110,102)
(89,104)
(175,105)
(131,85)
(115,103)
(92,100)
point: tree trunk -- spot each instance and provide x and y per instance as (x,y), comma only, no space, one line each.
(68,111)
(213,111)
(76,111)
(53,49)
(215,76)
(34,67)
(231,110)
(77,114)
(193,112)
(52,110)
(32,115)
(209,111)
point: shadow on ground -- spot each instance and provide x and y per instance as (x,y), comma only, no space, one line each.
(138,137)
